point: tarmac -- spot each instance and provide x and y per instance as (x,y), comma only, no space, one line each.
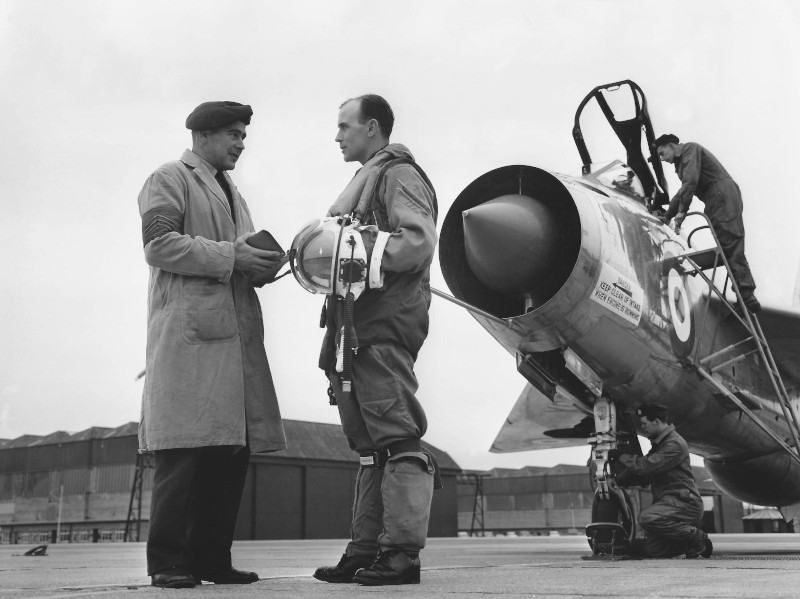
(743,565)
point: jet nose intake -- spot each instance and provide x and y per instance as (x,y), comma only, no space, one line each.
(511,243)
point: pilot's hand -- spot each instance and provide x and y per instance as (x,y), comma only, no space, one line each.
(679,218)
(368,235)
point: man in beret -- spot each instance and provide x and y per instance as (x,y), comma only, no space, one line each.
(208,399)
(672,523)
(701,174)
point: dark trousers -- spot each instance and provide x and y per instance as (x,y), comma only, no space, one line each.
(723,206)
(671,524)
(194,506)
(731,240)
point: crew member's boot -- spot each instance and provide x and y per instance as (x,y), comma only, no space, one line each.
(749,298)
(701,545)
(391,567)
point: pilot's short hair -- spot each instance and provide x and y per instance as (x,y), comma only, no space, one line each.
(654,411)
(667,138)
(375,107)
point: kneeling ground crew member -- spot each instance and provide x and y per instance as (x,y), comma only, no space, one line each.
(672,522)
(381,417)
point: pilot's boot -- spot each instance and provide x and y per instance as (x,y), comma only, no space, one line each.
(344,570)
(407,491)
(364,530)
(391,567)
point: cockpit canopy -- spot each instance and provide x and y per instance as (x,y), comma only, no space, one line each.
(619,176)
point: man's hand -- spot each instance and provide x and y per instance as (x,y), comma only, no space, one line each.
(613,454)
(255,263)
(677,220)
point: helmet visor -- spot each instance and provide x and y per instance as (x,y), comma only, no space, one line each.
(314,250)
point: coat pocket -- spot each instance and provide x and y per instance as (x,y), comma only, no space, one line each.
(209,326)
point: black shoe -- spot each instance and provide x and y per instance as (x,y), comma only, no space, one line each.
(226,576)
(392,567)
(708,549)
(702,548)
(344,570)
(752,303)
(175,578)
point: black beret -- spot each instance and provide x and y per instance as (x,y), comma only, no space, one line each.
(213,115)
(667,138)
(653,411)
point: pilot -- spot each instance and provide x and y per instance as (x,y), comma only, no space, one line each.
(672,521)
(382,418)
(701,174)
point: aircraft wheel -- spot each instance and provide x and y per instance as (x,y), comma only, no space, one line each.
(612,529)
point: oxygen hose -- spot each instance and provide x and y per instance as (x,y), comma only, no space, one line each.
(347,342)
(347,331)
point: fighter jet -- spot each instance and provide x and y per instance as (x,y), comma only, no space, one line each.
(604,307)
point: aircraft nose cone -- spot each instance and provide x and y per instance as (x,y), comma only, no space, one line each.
(511,243)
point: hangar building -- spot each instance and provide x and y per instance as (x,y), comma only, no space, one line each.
(541,501)
(78,487)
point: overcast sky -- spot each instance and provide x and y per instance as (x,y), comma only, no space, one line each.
(94,95)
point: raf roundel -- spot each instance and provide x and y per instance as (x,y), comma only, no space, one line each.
(679,303)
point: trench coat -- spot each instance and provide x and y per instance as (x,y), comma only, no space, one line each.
(208,381)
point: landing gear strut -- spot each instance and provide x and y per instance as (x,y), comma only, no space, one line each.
(613,529)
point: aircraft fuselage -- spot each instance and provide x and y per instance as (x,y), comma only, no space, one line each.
(572,264)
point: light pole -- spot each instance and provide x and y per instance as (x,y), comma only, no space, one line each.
(60,504)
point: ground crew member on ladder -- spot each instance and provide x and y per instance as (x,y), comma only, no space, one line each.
(701,174)
(381,417)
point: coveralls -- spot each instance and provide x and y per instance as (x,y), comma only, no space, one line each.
(208,398)
(672,521)
(702,175)
(392,502)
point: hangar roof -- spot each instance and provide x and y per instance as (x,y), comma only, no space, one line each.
(305,440)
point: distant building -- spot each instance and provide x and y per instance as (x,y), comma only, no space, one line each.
(77,487)
(541,501)
(766,520)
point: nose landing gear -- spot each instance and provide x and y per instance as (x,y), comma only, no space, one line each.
(613,531)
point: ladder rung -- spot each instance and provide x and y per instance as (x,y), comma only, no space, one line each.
(727,349)
(704,259)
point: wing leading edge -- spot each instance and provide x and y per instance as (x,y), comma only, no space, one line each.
(536,422)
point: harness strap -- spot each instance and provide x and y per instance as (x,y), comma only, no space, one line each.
(364,218)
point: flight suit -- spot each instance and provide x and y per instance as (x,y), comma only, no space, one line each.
(672,522)
(382,418)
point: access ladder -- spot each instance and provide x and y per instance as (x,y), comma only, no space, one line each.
(714,259)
